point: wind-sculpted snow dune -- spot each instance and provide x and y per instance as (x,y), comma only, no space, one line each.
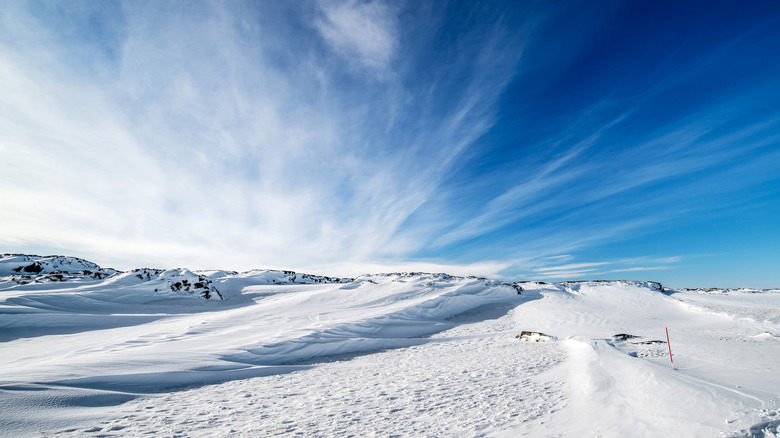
(91,351)
(149,330)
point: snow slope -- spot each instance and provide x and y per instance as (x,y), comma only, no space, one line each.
(726,377)
(391,354)
(11,264)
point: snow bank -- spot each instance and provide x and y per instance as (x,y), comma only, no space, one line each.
(596,360)
(618,374)
(376,312)
(141,331)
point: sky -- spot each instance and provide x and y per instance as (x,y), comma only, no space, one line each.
(534,140)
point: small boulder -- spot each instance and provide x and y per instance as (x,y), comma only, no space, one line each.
(528,336)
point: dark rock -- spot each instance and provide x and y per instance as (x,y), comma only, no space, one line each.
(530,336)
(34,268)
(623,337)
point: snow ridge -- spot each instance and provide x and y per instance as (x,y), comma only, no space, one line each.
(45,269)
(34,264)
(24,269)
(273,276)
(173,280)
(426,354)
(715,290)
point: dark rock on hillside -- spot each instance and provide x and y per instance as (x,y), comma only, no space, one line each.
(529,336)
(623,337)
(25,269)
(179,280)
(34,264)
(34,268)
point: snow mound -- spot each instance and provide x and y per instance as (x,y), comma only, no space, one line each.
(726,291)
(21,270)
(271,276)
(431,279)
(575,286)
(25,269)
(11,264)
(765,336)
(376,312)
(171,281)
(232,284)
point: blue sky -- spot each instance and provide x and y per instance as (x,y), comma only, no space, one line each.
(523,140)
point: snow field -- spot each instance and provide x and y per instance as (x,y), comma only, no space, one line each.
(380,355)
(627,388)
(468,381)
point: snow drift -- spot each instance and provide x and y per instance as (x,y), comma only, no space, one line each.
(457,356)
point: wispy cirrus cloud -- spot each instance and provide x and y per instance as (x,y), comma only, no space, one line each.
(584,197)
(364,133)
(539,268)
(361,33)
(570,267)
(637,269)
(221,134)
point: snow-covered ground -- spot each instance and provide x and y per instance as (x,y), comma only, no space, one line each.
(86,351)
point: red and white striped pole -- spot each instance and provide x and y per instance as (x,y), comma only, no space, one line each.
(670,347)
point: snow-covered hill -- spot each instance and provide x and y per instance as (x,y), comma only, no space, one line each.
(22,269)
(409,354)
(31,264)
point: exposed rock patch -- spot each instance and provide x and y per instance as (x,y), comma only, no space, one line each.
(529,336)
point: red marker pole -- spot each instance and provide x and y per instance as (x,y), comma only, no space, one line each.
(670,347)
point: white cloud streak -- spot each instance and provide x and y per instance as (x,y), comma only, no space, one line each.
(569,267)
(242,135)
(539,267)
(581,198)
(222,137)
(362,33)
